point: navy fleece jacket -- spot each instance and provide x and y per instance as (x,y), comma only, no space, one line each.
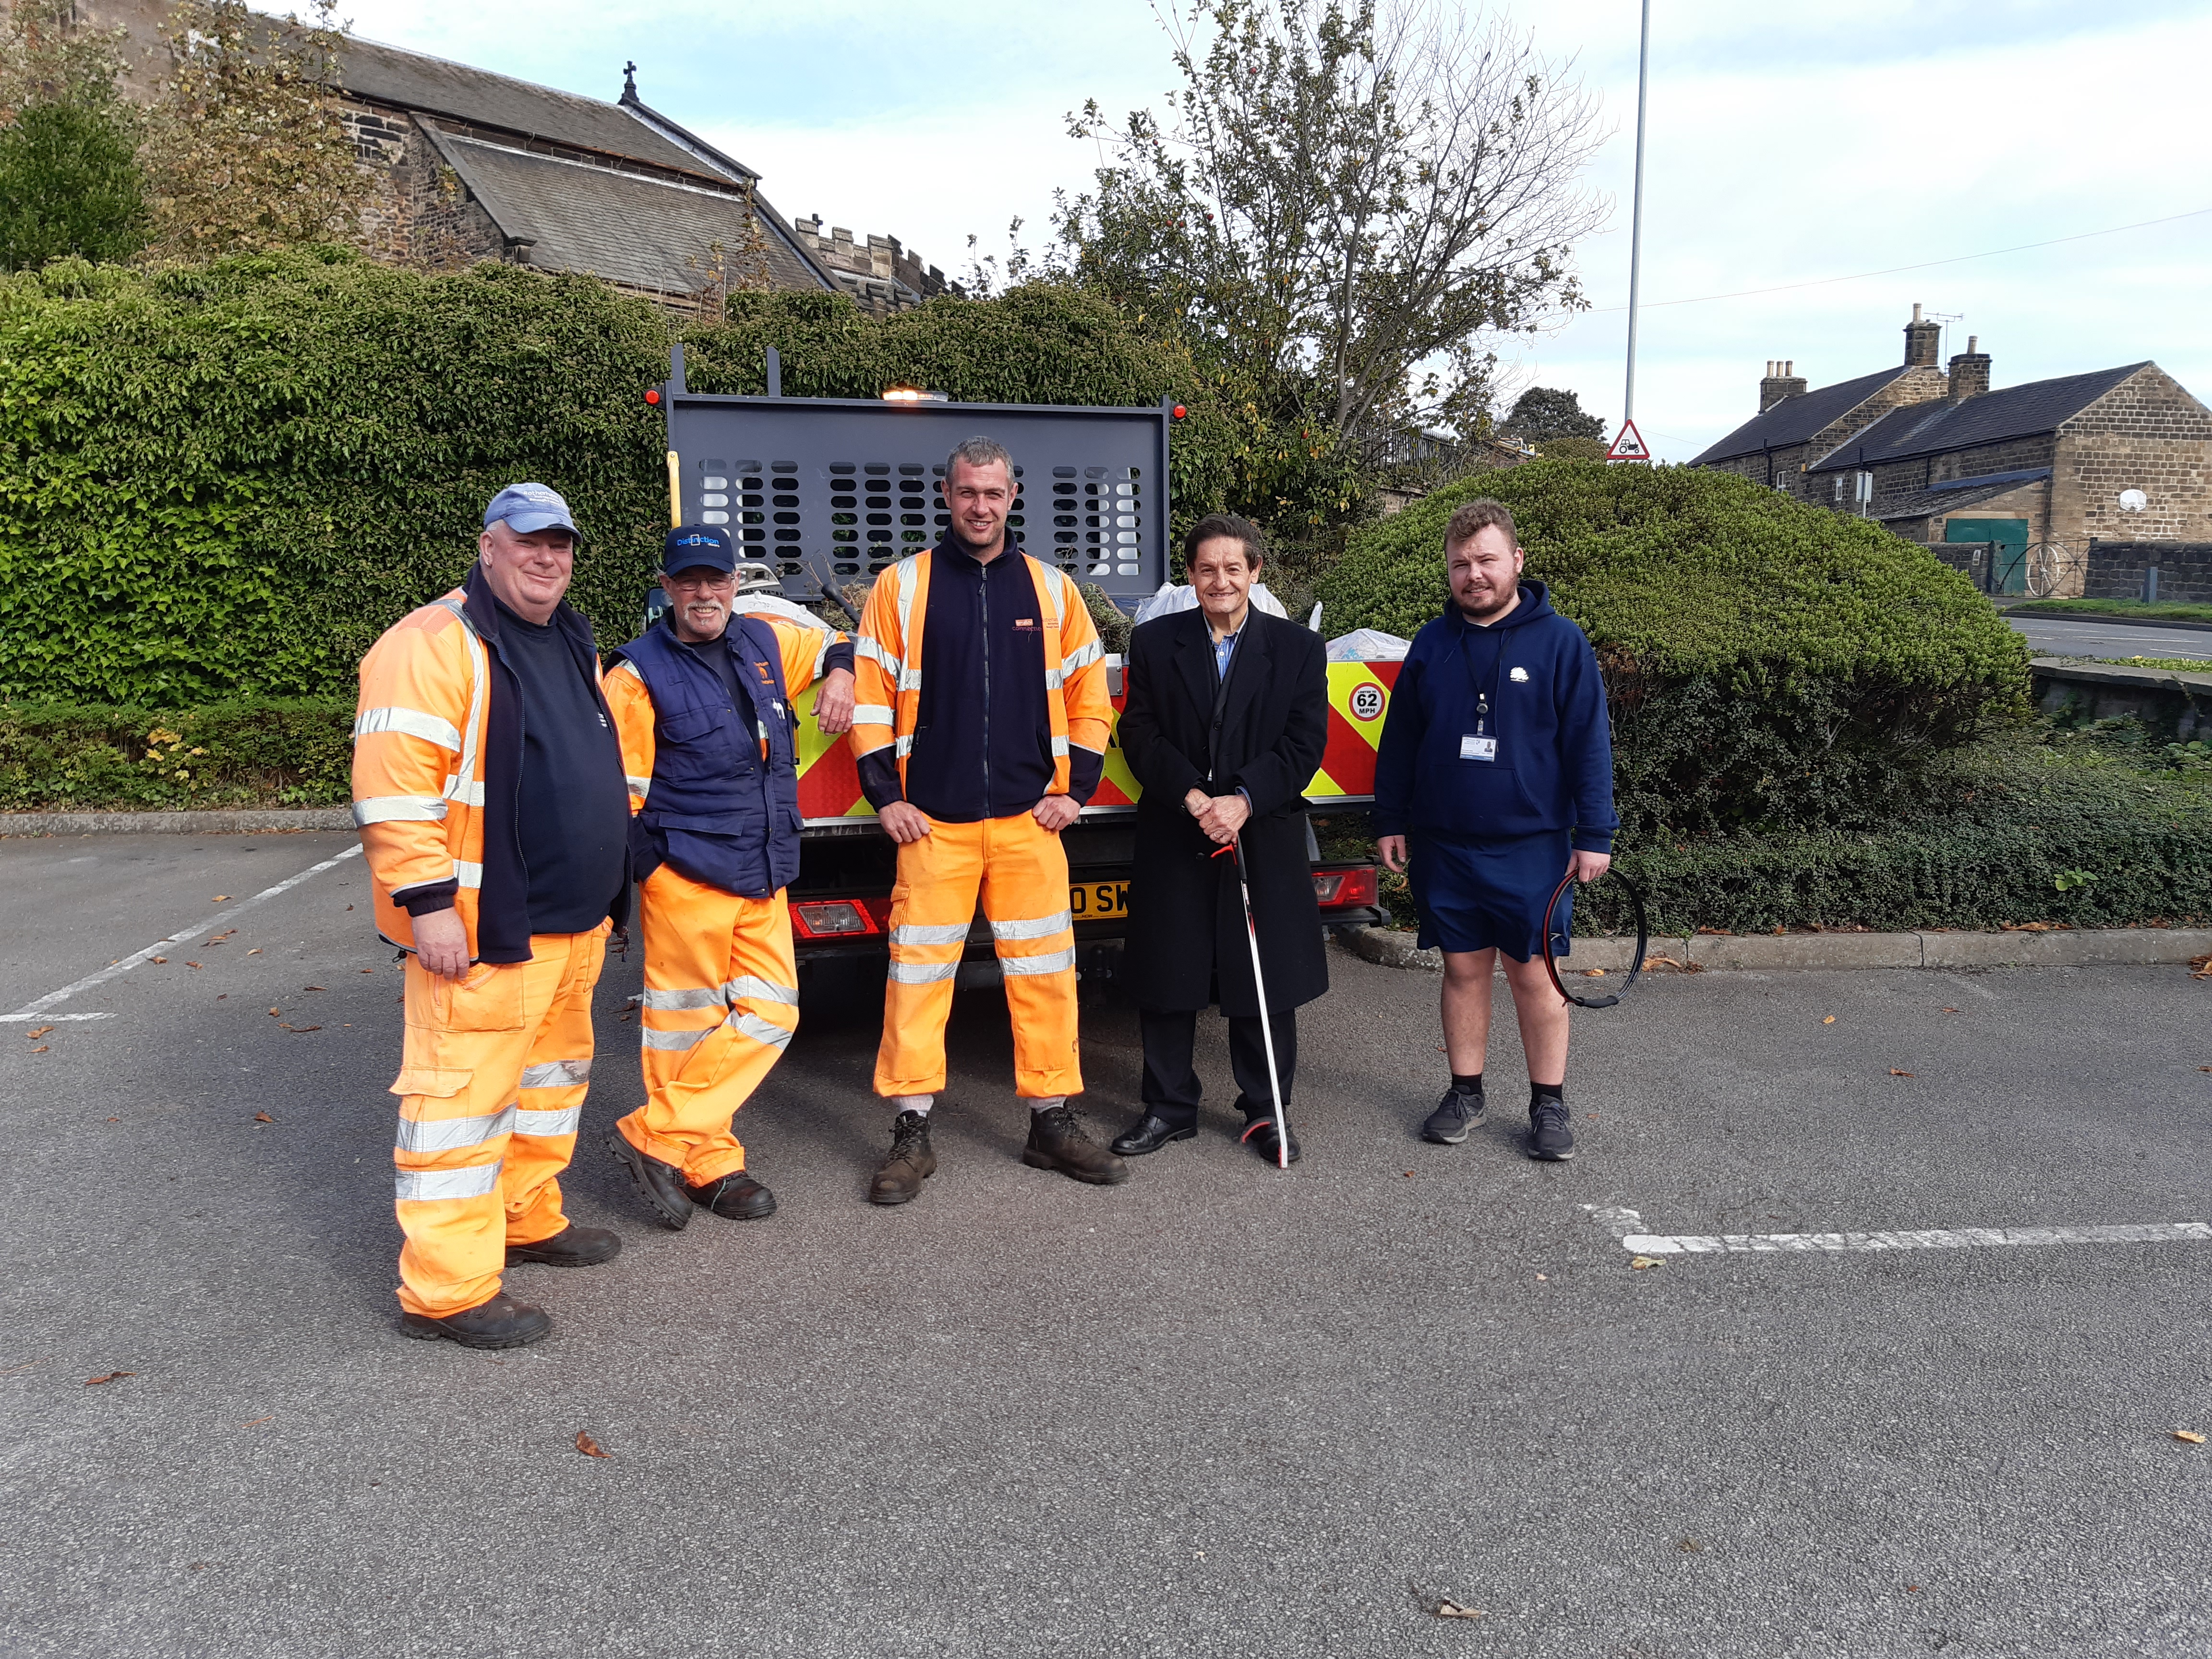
(1553,768)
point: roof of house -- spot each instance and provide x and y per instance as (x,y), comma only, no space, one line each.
(632,229)
(2016,411)
(417,82)
(1796,420)
(1956,495)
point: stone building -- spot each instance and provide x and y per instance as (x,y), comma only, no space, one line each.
(1938,455)
(470,165)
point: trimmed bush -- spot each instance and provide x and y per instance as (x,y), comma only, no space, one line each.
(1768,665)
(255,751)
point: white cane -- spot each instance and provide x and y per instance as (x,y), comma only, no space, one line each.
(1259,987)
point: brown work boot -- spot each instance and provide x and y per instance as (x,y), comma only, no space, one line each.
(910,1162)
(1057,1142)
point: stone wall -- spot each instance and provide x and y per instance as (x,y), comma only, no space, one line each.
(2145,434)
(2115,570)
(419,212)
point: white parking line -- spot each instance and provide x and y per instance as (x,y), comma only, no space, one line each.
(31,1011)
(1623,1225)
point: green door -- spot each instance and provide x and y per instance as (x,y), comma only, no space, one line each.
(2008,559)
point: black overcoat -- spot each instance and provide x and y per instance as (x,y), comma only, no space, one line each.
(1186,921)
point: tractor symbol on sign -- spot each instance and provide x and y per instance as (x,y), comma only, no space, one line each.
(1366,701)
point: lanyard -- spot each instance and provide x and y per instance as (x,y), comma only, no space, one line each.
(1481,696)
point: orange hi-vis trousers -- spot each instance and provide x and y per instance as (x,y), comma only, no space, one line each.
(1019,870)
(491,1087)
(722,1000)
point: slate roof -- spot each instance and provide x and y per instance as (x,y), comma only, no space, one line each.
(2016,411)
(629,228)
(417,82)
(1955,494)
(1794,420)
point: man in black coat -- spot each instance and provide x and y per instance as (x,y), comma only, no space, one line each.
(1226,719)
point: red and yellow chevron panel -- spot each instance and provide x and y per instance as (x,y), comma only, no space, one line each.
(1358,698)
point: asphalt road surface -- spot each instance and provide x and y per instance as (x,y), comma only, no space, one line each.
(1218,1411)
(2073,637)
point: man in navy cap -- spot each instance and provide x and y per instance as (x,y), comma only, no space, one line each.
(703,702)
(488,786)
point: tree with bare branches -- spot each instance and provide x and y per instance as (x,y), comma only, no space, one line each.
(1345,207)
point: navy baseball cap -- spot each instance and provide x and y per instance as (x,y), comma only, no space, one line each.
(692,546)
(528,506)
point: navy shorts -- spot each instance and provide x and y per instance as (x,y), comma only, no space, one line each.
(1472,896)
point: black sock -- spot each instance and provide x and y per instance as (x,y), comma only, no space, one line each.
(1538,1090)
(1466,1086)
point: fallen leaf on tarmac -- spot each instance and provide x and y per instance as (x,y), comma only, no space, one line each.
(33,1036)
(275,1011)
(1950,1011)
(1453,1610)
(1643,1261)
(1893,1071)
(157,959)
(302,1028)
(191,965)
(1830,1020)
(221,898)
(263,1117)
(255,951)
(2204,1068)
(1409,1175)
(368,970)
(2201,967)
(588,1446)
(42,1047)
(315,987)
(251,1422)
(1593,973)
(2190,1435)
(115,1119)
(111,1376)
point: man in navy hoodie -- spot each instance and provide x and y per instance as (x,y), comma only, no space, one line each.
(1495,774)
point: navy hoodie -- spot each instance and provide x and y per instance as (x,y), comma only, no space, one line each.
(1553,768)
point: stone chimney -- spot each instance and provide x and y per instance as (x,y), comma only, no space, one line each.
(1970,372)
(1922,341)
(1782,381)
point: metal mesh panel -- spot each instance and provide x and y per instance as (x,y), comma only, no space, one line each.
(834,491)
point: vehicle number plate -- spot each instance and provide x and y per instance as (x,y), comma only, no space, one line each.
(1099,901)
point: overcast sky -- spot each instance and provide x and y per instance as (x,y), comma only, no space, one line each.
(1787,145)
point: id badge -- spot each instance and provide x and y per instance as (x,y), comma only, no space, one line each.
(1472,747)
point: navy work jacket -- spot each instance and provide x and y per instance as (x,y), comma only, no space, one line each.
(717,812)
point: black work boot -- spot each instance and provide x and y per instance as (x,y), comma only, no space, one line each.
(572,1247)
(660,1185)
(1457,1113)
(1057,1142)
(736,1195)
(910,1162)
(1549,1138)
(501,1323)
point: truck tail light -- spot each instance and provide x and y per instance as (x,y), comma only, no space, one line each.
(839,918)
(1342,890)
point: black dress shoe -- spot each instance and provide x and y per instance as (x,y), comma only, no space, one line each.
(1148,1134)
(572,1247)
(660,1185)
(1260,1135)
(738,1196)
(501,1323)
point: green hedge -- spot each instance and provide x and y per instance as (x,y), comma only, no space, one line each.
(226,480)
(1770,666)
(253,752)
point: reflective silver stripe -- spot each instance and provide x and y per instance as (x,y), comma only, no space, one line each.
(563,1123)
(909,679)
(869,647)
(1041,927)
(1053,594)
(745,985)
(466,779)
(639,787)
(556,1074)
(760,1031)
(947,933)
(907,576)
(448,1135)
(424,1186)
(1056,963)
(1058,747)
(625,666)
(822,656)
(468,795)
(872,713)
(706,996)
(1053,679)
(399,809)
(467,874)
(1082,656)
(674,1039)
(412,722)
(924,973)
(902,748)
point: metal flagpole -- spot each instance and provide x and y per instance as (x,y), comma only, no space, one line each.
(1266,1029)
(1635,226)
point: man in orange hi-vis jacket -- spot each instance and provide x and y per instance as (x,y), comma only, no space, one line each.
(980,732)
(488,786)
(702,699)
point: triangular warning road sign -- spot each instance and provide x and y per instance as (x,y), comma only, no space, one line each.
(1629,446)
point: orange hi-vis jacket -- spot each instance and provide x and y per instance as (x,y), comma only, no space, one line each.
(888,667)
(423,751)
